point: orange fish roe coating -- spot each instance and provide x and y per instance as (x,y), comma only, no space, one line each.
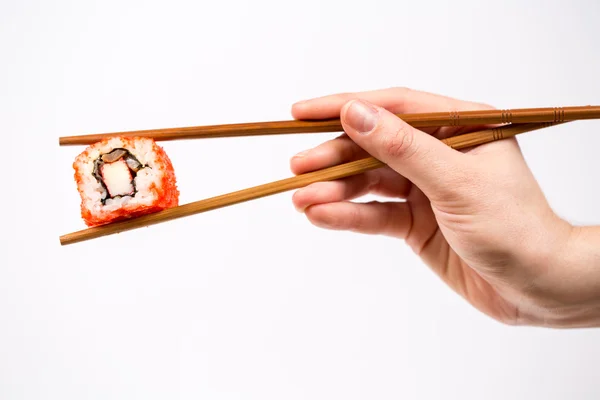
(153,179)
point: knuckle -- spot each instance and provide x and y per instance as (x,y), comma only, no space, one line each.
(346,97)
(330,221)
(474,105)
(389,219)
(485,106)
(400,143)
(402,97)
(355,220)
(401,90)
(347,150)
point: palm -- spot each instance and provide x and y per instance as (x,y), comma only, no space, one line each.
(428,241)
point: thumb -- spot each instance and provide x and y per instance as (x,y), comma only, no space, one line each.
(426,161)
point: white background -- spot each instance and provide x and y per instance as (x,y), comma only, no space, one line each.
(251,301)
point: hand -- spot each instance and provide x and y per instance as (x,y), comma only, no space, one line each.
(478,217)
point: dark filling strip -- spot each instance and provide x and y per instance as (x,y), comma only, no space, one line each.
(115,155)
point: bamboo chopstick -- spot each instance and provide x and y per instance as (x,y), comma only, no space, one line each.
(462,118)
(327,174)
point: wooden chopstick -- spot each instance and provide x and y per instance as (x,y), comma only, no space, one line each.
(296,182)
(461,118)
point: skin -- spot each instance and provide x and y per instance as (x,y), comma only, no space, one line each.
(477,218)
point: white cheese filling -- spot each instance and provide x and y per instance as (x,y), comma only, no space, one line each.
(117,178)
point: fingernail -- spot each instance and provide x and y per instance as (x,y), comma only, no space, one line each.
(299,209)
(302,154)
(362,117)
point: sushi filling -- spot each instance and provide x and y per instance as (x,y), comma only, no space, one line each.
(116,172)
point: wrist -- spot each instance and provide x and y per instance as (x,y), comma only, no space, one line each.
(567,285)
(582,262)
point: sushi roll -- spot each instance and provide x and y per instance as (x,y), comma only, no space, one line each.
(123,177)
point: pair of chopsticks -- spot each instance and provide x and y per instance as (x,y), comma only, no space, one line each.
(513,122)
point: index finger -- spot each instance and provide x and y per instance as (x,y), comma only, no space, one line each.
(399,100)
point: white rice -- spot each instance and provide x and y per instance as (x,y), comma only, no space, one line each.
(93,190)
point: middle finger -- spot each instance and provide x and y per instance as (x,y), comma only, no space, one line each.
(328,154)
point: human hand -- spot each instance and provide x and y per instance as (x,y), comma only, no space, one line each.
(477,217)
